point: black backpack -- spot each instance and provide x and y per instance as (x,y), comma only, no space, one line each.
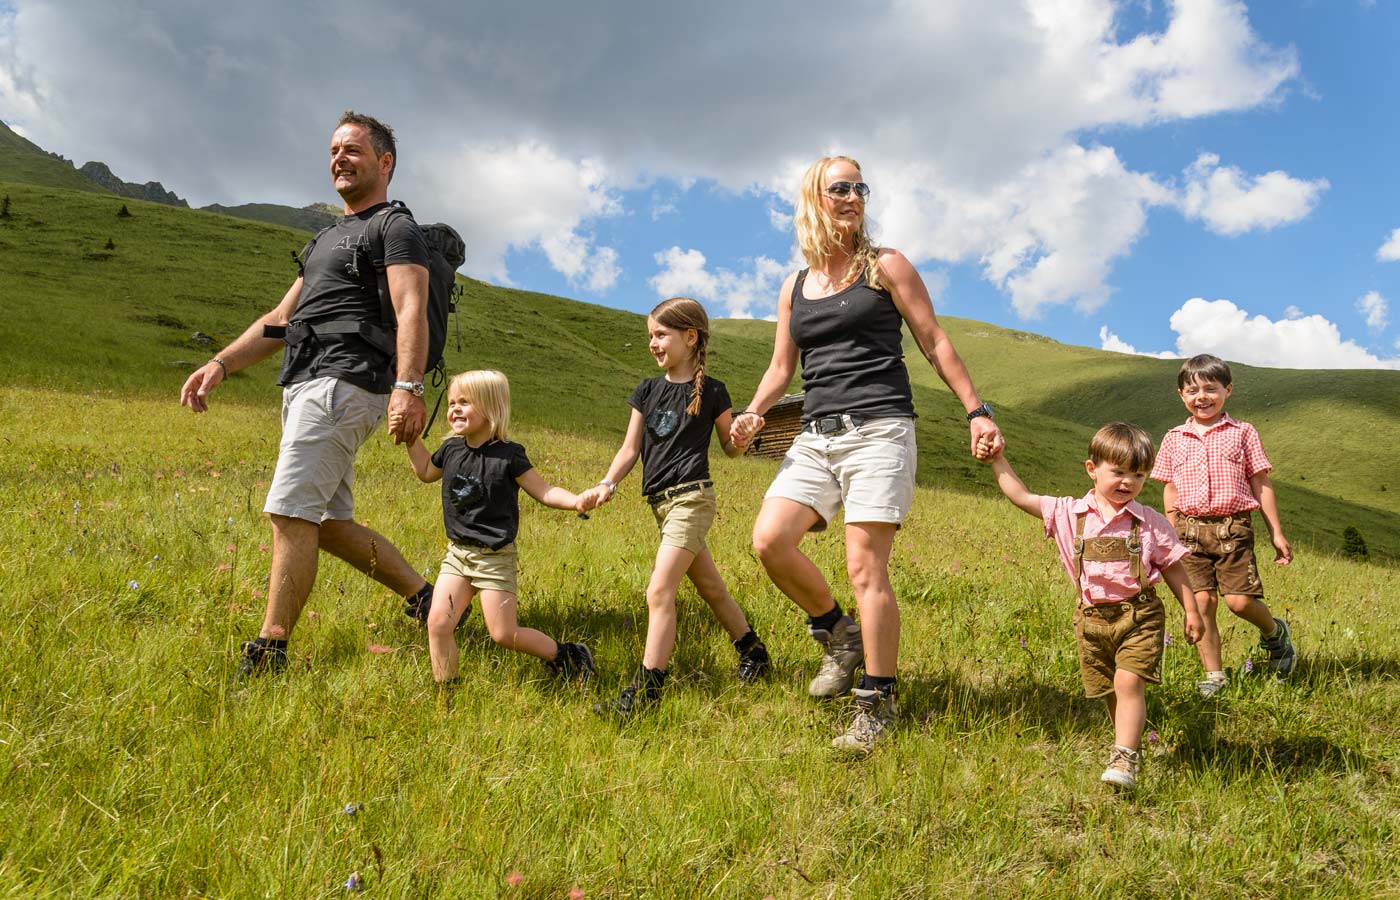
(446,252)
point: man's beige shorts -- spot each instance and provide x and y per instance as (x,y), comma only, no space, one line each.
(324,422)
(684,520)
(1126,635)
(869,469)
(1222,553)
(484,569)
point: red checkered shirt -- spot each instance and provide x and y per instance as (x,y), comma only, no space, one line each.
(1212,471)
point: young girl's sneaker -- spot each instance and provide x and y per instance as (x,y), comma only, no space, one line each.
(573,660)
(643,691)
(754,663)
(1122,768)
(1283,656)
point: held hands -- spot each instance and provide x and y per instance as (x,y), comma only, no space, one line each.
(593,498)
(987,441)
(745,425)
(407,414)
(201,382)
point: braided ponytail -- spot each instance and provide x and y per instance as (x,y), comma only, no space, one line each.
(702,339)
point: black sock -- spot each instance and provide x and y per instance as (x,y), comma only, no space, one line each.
(652,679)
(746,643)
(879,683)
(423,593)
(827,621)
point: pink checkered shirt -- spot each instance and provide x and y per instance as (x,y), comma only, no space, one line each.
(1212,471)
(1109,582)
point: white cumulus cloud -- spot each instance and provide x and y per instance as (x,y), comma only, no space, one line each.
(1374,309)
(686,273)
(1110,341)
(1390,250)
(1309,342)
(1231,202)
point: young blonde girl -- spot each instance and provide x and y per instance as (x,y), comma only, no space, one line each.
(672,416)
(482,473)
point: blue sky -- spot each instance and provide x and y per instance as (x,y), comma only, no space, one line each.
(1196,176)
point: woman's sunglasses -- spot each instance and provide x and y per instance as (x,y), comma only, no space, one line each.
(846,188)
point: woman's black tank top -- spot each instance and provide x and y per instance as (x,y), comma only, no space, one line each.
(852,352)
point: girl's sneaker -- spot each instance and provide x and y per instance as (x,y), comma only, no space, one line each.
(754,663)
(643,691)
(1122,768)
(573,660)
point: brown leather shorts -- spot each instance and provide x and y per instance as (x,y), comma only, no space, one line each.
(1124,635)
(1222,553)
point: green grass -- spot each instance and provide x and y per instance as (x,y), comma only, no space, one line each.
(136,560)
(23,161)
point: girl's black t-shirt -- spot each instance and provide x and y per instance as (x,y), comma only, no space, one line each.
(852,352)
(480,499)
(676,445)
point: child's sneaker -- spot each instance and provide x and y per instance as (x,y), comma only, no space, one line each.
(572,660)
(1212,684)
(842,654)
(754,663)
(257,658)
(643,691)
(1122,768)
(875,716)
(1283,656)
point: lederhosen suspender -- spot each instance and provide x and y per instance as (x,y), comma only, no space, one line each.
(1107,549)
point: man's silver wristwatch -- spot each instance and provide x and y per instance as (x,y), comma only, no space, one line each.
(983,410)
(413,387)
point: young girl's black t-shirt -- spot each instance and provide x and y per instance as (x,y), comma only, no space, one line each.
(480,499)
(675,445)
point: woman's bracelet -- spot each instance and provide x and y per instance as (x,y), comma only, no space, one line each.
(610,485)
(222,365)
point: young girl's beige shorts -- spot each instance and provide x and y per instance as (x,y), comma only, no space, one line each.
(868,469)
(483,568)
(685,519)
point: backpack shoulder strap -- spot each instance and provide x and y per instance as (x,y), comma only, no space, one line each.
(378,224)
(305,253)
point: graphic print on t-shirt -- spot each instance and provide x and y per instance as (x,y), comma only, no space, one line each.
(467,491)
(662,423)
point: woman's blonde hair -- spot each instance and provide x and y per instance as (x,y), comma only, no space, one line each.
(489,391)
(816,232)
(682,313)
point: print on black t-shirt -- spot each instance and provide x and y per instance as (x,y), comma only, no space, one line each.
(676,445)
(466,491)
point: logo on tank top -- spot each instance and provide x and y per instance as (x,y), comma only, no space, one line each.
(663,423)
(466,491)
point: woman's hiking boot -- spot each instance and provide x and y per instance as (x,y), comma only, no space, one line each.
(643,691)
(875,716)
(842,654)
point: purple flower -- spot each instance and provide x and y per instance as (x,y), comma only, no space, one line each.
(133,585)
(352,808)
(353,883)
(1152,737)
(1167,639)
(1023,642)
(1248,666)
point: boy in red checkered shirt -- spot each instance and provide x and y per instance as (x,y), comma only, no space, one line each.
(1215,475)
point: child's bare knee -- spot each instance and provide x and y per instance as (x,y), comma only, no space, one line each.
(1239,603)
(660,598)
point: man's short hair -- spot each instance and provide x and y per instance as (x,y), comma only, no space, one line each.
(1203,368)
(381,136)
(1124,445)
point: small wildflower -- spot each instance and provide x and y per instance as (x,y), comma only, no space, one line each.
(68,550)
(1248,666)
(1023,642)
(77,505)
(230,520)
(352,808)
(1167,639)
(513,878)
(353,883)
(156,557)
(133,585)
(1152,737)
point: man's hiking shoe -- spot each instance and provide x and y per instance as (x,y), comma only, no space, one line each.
(875,716)
(842,654)
(572,660)
(643,691)
(754,663)
(1283,656)
(1122,768)
(1209,687)
(259,659)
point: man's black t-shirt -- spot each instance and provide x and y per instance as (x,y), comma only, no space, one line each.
(676,446)
(480,499)
(339,284)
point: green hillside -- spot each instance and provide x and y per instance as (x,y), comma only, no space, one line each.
(24,161)
(125,319)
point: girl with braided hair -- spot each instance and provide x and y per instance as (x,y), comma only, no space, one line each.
(672,416)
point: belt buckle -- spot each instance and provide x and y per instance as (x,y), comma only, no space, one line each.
(831,424)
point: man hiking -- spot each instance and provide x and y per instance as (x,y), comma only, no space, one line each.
(339,375)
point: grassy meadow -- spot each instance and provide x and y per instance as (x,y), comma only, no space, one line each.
(131,765)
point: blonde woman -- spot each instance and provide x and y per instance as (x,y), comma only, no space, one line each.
(842,317)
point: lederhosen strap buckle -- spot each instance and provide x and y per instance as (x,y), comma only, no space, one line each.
(678,490)
(839,423)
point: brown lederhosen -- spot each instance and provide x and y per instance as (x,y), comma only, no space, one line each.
(1126,634)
